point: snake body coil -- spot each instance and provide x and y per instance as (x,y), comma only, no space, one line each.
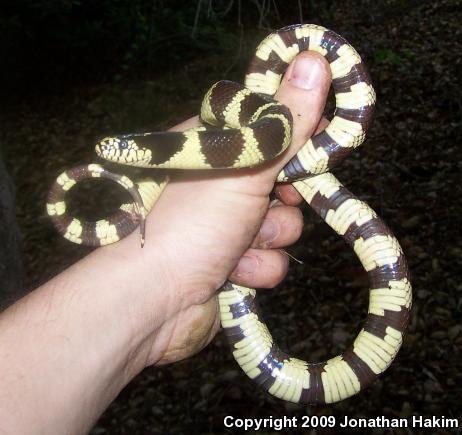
(253,128)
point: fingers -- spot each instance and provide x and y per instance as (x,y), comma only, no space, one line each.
(288,194)
(282,226)
(304,89)
(261,268)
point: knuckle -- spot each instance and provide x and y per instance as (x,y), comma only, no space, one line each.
(276,272)
(271,269)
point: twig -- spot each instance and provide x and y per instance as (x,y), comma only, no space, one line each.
(196,18)
(230,5)
(276,10)
(300,11)
(239,22)
(291,256)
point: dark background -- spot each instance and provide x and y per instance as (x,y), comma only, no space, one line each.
(76,70)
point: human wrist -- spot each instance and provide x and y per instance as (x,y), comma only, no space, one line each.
(148,291)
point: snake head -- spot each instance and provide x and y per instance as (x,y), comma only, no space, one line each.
(123,150)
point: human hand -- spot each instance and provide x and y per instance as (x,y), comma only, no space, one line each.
(208,227)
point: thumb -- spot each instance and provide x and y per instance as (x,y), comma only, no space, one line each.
(304,89)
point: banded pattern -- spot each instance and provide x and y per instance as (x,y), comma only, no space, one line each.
(255,132)
(381,336)
(246,127)
(354,94)
(378,250)
(104,231)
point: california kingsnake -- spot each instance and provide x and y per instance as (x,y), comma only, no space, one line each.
(257,129)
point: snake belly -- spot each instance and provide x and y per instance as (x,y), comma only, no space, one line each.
(248,128)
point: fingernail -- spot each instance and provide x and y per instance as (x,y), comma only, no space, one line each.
(306,72)
(268,231)
(246,265)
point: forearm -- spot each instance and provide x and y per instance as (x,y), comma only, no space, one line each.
(69,347)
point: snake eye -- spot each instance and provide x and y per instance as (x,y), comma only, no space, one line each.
(123,144)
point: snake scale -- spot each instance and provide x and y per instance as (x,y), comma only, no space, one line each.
(245,127)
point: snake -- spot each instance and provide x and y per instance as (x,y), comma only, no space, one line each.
(243,126)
